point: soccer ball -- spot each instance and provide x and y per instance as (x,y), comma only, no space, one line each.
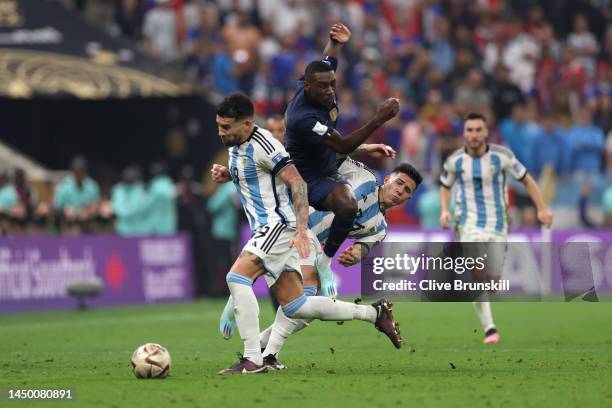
(151,361)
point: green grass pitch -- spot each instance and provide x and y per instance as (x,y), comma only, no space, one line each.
(552,354)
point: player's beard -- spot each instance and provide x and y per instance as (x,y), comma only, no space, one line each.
(475,145)
(230,141)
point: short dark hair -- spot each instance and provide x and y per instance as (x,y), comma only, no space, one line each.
(237,106)
(474,116)
(410,171)
(315,67)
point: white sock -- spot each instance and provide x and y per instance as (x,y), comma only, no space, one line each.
(282,328)
(324,308)
(246,312)
(264,336)
(483,310)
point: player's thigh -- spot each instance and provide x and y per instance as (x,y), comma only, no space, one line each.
(249,265)
(340,198)
(310,275)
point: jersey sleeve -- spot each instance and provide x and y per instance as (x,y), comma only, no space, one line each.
(513,166)
(271,154)
(448,176)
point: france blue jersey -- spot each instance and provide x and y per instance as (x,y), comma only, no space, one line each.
(254,167)
(370,226)
(308,125)
(482,197)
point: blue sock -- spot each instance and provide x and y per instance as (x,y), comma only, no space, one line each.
(310,290)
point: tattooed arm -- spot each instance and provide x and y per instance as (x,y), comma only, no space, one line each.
(299,195)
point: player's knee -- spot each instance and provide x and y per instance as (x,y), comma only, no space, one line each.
(348,209)
(291,309)
(233,277)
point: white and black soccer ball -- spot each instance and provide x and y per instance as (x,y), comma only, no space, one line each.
(151,361)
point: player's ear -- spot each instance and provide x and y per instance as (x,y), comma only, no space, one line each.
(386,179)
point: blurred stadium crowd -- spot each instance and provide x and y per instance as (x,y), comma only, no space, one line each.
(540,70)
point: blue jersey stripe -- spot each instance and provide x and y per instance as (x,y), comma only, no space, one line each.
(463,217)
(234,173)
(316,217)
(250,173)
(364,189)
(322,236)
(370,212)
(481,209)
(497,194)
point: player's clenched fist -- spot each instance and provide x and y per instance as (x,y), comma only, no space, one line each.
(387,110)
(219,173)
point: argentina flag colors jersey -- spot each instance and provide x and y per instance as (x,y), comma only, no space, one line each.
(370,226)
(481,194)
(254,166)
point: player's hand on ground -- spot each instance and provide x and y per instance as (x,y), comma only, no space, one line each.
(350,256)
(340,33)
(301,243)
(545,217)
(387,110)
(379,150)
(445,218)
(219,173)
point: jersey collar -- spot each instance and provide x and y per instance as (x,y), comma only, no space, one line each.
(486,151)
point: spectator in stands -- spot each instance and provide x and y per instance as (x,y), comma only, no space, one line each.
(76,198)
(242,39)
(428,206)
(549,148)
(223,209)
(26,195)
(583,44)
(276,125)
(159,31)
(442,52)
(129,199)
(512,132)
(224,70)
(472,96)
(505,94)
(9,204)
(586,143)
(128,18)
(160,210)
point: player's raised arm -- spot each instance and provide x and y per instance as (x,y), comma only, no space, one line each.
(345,145)
(299,194)
(338,34)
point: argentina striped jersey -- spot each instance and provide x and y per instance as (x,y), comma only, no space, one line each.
(370,226)
(481,196)
(254,167)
